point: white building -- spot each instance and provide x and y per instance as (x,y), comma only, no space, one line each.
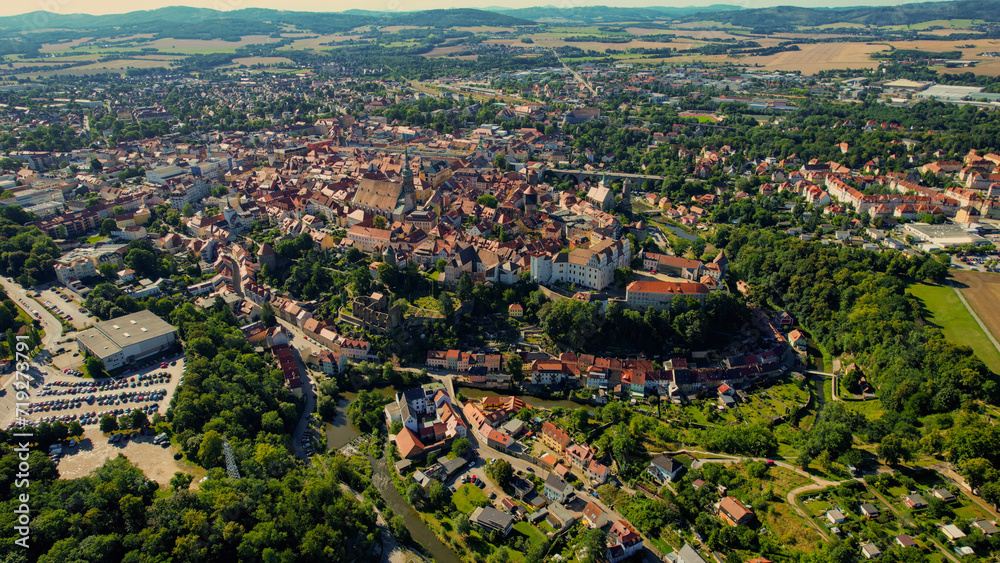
(592,267)
(126,339)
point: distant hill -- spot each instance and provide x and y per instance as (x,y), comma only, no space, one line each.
(906,14)
(606,14)
(203,22)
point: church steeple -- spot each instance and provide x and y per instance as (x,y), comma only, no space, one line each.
(407,172)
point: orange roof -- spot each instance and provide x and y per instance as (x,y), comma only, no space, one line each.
(408,443)
(686,288)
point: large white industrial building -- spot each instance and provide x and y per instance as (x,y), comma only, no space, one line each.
(124,340)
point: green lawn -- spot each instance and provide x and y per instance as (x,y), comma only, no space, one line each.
(533,533)
(468,497)
(95,238)
(947,311)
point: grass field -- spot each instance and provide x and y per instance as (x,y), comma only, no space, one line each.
(534,535)
(468,497)
(946,311)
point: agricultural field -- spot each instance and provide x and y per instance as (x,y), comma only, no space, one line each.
(250,61)
(820,56)
(946,311)
(982,291)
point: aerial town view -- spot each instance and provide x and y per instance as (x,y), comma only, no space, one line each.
(402,283)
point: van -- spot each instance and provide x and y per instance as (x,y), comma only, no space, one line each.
(160,438)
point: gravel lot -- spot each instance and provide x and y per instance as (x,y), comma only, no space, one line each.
(155,461)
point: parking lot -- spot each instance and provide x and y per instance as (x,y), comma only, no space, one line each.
(62,304)
(68,397)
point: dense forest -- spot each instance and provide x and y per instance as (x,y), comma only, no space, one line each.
(854,304)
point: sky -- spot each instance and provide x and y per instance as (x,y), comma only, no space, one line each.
(97,7)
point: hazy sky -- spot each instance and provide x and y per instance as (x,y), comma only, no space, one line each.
(8,8)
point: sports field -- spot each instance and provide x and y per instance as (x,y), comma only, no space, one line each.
(946,310)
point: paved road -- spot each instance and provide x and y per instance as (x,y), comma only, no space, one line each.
(575,74)
(52,326)
(297,344)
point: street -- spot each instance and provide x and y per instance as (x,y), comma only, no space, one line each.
(298,343)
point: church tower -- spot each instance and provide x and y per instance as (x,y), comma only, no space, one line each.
(409,192)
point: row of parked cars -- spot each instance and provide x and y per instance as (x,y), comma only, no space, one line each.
(307,443)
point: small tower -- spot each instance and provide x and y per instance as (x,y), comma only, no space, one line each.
(625,205)
(389,255)
(530,200)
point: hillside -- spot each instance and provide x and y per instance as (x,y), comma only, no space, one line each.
(203,23)
(906,14)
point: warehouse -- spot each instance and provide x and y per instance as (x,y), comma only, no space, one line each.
(124,340)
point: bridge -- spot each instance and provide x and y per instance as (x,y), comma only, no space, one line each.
(580,175)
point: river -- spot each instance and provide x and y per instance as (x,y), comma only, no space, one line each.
(340,432)
(418,529)
(680,232)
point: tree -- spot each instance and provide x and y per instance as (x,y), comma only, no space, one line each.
(142,261)
(94,368)
(488,200)
(413,494)
(594,543)
(187,210)
(210,451)
(267,315)
(108,226)
(379,222)
(978,471)
(464,289)
(181,481)
(500,162)
(108,271)
(515,366)
(438,495)
(462,524)
(108,424)
(95,165)
(501,472)
(388,275)
(892,449)
(446,305)
(461,447)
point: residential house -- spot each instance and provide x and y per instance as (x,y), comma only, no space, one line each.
(734,512)
(594,516)
(554,437)
(665,468)
(835,517)
(952,532)
(985,526)
(490,519)
(687,554)
(626,542)
(556,489)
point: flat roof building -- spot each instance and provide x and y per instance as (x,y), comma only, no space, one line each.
(123,340)
(945,235)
